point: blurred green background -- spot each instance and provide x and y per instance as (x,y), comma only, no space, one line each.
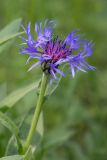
(78,105)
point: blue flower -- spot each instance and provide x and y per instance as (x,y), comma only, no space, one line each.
(51,52)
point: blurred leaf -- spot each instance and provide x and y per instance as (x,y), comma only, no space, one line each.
(54,156)
(78,152)
(23,132)
(11,147)
(10,31)
(57,137)
(102,83)
(24,129)
(40,125)
(8,123)
(15,157)
(5,46)
(2,40)
(3,90)
(53,139)
(15,96)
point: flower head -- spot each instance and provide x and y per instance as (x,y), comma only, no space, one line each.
(51,51)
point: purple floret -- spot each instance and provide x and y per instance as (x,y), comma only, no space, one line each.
(51,52)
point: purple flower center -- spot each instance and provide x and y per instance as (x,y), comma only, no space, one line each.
(57,50)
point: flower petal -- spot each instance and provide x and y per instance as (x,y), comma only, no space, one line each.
(34,65)
(59,71)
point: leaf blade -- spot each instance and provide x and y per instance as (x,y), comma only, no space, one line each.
(15,96)
(10,31)
(8,123)
(15,157)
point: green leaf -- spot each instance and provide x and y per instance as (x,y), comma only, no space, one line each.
(57,137)
(4,39)
(15,96)
(8,123)
(53,139)
(15,157)
(40,126)
(10,31)
(25,125)
(11,148)
(5,46)
(23,132)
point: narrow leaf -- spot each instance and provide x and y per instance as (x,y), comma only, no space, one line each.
(15,157)
(15,96)
(57,137)
(40,126)
(8,123)
(10,31)
(25,125)
(4,39)
(11,148)
(5,46)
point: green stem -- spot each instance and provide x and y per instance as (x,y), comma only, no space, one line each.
(37,112)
